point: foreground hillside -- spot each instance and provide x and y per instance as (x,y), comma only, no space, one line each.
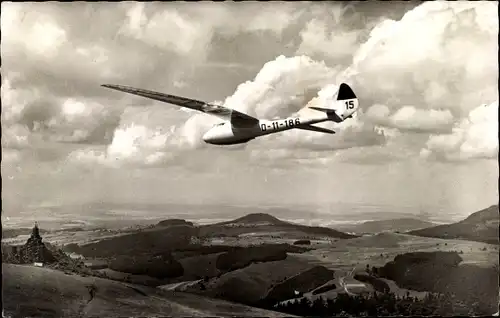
(31,291)
(481,226)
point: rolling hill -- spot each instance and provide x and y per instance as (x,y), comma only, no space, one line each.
(251,284)
(41,292)
(481,226)
(263,222)
(394,225)
(159,239)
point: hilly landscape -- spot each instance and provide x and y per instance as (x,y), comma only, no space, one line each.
(481,226)
(257,261)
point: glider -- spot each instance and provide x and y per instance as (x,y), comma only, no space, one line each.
(239,127)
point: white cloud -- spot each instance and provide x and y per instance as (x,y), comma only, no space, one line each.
(474,137)
(43,38)
(189,29)
(134,144)
(337,43)
(435,56)
(411,118)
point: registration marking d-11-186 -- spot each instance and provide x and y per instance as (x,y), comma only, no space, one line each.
(282,123)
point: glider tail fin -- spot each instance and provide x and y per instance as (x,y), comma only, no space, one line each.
(345,105)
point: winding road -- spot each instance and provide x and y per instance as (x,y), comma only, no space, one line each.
(346,286)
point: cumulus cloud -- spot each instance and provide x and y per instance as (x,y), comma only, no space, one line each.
(330,37)
(28,113)
(438,56)
(474,137)
(189,30)
(411,118)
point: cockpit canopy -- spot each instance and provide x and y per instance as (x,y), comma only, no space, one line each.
(220,124)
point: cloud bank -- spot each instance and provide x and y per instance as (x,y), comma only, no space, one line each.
(428,73)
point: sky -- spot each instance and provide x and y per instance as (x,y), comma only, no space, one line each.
(425,74)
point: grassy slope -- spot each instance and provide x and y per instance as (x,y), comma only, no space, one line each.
(32,291)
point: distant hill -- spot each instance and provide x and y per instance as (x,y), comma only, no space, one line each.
(40,292)
(256,219)
(481,226)
(174,222)
(394,225)
(263,222)
(13,232)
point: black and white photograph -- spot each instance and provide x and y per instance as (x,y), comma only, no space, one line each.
(250,158)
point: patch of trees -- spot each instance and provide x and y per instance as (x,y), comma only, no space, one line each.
(146,243)
(198,249)
(302,242)
(162,266)
(378,284)
(440,272)
(243,257)
(318,230)
(377,305)
(174,222)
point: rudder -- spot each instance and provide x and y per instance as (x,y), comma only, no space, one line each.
(347,101)
(345,92)
(345,105)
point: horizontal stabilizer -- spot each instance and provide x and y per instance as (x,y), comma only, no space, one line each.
(315,128)
(330,112)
